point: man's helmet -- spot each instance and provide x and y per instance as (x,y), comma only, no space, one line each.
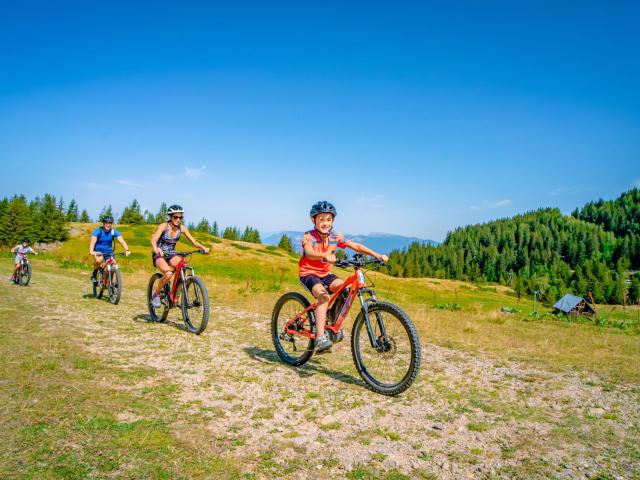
(174,209)
(26,240)
(107,219)
(323,207)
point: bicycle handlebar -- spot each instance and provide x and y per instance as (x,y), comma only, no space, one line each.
(358,260)
(186,254)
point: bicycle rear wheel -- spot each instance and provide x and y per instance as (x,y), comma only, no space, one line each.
(392,365)
(25,274)
(294,350)
(98,285)
(160,313)
(115,286)
(195,305)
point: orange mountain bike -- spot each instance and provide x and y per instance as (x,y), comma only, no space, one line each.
(384,341)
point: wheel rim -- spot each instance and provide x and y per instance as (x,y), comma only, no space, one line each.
(292,346)
(194,314)
(390,362)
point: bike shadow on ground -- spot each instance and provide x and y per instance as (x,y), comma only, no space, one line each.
(307,370)
(146,318)
(91,296)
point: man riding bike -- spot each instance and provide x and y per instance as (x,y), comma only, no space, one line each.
(101,244)
(163,242)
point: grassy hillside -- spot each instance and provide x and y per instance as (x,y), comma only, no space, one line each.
(447,312)
(92,390)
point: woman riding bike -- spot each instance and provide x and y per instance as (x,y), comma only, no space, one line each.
(163,242)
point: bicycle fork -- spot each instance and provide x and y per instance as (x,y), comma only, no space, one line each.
(381,343)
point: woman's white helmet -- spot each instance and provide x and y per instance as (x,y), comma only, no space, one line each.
(174,209)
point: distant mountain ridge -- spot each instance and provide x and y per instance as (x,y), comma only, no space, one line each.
(380,242)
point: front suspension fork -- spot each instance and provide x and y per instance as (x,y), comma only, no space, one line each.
(364,304)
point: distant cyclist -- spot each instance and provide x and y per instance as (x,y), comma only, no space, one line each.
(318,255)
(102,240)
(163,242)
(20,251)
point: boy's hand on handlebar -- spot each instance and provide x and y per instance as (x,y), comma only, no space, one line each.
(383,258)
(329,258)
(204,250)
(127,252)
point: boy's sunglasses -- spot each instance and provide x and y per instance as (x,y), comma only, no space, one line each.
(176,217)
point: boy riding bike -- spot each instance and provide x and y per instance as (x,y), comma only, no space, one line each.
(318,255)
(101,244)
(163,242)
(20,251)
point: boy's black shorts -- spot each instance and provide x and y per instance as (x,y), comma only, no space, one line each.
(310,281)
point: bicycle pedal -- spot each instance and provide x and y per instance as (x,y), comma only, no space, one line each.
(336,337)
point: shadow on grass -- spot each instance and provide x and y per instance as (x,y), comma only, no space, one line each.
(146,318)
(305,371)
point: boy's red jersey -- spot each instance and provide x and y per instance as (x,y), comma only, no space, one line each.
(326,247)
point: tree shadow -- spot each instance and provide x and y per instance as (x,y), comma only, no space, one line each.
(307,370)
(146,318)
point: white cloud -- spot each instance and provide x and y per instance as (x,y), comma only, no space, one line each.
(129,183)
(489,205)
(374,201)
(195,172)
(564,190)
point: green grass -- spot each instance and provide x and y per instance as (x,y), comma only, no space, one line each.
(450,313)
(60,413)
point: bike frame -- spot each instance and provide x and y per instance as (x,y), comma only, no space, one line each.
(109,263)
(358,286)
(180,278)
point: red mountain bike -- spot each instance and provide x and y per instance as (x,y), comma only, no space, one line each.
(187,290)
(384,341)
(108,278)
(23,275)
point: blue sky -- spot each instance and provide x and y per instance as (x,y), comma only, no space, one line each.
(412,117)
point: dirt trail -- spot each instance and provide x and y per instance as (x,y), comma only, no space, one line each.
(465,417)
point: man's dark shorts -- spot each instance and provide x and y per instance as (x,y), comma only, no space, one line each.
(310,281)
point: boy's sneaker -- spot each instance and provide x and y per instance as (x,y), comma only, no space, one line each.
(155,300)
(323,344)
(94,277)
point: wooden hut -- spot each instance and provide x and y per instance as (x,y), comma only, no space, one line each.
(572,305)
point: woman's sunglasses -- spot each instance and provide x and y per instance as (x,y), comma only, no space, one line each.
(176,217)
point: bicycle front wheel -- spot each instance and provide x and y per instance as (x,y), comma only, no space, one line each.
(115,286)
(390,365)
(195,305)
(98,286)
(25,275)
(158,314)
(292,349)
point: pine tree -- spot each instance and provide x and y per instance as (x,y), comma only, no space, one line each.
(203,226)
(131,214)
(161,216)
(285,243)
(84,217)
(251,235)
(72,211)
(231,233)
(214,229)
(15,222)
(51,221)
